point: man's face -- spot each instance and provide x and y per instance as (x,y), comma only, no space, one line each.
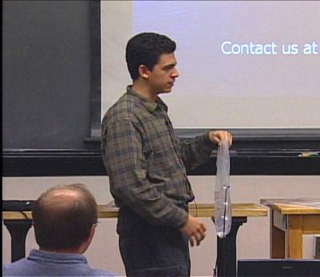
(162,77)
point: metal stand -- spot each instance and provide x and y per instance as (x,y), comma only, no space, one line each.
(18,230)
(227,250)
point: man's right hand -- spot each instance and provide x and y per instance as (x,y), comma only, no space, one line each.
(194,229)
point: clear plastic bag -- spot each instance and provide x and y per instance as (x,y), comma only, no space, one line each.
(222,199)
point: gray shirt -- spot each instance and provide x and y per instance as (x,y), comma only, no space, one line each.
(43,263)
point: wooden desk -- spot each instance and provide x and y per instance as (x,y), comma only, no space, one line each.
(289,221)
(200,210)
(19,223)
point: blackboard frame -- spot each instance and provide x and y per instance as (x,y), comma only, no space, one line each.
(95,67)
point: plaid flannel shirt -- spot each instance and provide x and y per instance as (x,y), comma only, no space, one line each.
(146,161)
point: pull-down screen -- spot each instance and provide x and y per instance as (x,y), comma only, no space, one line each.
(242,64)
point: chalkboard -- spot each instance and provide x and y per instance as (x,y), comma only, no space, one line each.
(46,74)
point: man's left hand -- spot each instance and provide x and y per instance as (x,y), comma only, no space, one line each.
(217,136)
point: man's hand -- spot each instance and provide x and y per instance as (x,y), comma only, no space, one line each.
(195,230)
(217,136)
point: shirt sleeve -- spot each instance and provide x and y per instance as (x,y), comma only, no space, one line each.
(127,170)
(196,151)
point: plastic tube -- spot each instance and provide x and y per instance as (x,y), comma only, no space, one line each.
(222,199)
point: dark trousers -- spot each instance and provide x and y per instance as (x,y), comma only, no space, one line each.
(151,251)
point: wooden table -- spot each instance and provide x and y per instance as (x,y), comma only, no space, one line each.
(18,224)
(290,219)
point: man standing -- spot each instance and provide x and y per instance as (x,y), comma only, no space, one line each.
(147,163)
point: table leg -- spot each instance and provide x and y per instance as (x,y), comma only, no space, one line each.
(18,230)
(277,240)
(294,237)
(227,250)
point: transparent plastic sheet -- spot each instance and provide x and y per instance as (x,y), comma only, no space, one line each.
(222,199)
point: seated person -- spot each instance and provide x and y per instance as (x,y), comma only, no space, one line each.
(64,219)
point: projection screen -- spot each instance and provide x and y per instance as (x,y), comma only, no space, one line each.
(242,64)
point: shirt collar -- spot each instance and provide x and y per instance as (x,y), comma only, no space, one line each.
(54,257)
(149,105)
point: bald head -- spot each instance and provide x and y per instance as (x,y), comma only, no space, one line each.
(61,199)
(63,217)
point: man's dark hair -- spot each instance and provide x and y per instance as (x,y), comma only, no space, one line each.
(62,222)
(146,49)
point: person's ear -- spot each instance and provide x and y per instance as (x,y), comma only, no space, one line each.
(144,72)
(85,244)
(92,231)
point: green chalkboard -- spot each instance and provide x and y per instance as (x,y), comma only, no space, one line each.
(47,83)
